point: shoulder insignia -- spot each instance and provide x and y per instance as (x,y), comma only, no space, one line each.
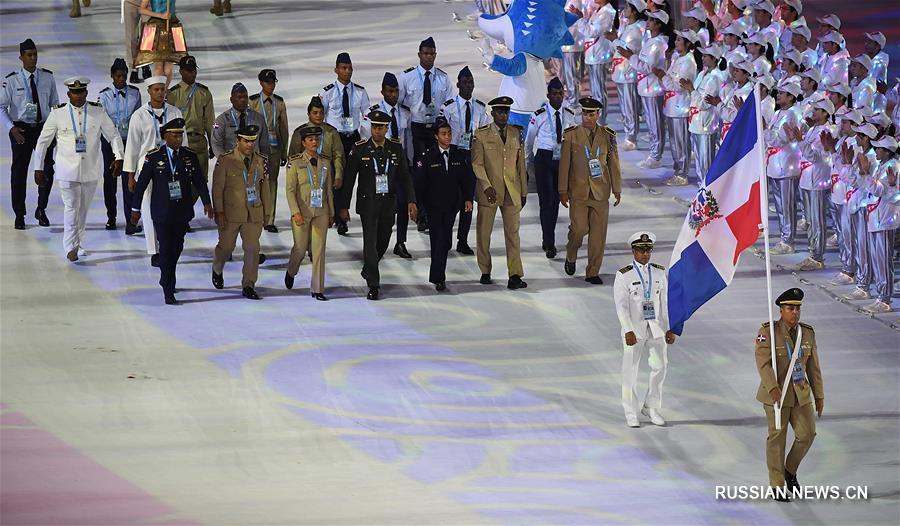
(295,156)
(442,71)
(486,126)
(11,75)
(571,112)
(255,96)
(95,104)
(355,85)
(540,110)
(277,96)
(766,324)
(807,327)
(176,87)
(405,107)
(45,70)
(151,152)
(201,85)
(104,90)
(609,131)
(479,102)
(374,107)
(626,268)
(570,128)
(656,265)
(360,143)
(407,70)
(229,152)
(135,88)
(264,156)
(448,102)
(328,87)
(394,140)
(61,105)
(188,149)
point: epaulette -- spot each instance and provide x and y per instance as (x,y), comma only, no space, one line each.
(361,142)
(135,88)
(657,265)
(375,107)
(405,107)
(806,326)
(357,85)
(154,150)
(11,74)
(61,105)
(571,111)
(328,87)
(277,96)
(104,90)
(45,70)
(442,71)
(394,139)
(479,102)
(95,104)
(626,268)
(295,156)
(188,149)
(486,126)
(516,126)
(229,152)
(407,70)
(176,87)
(264,156)
(255,96)
(766,324)
(540,110)
(609,130)
(448,102)
(570,128)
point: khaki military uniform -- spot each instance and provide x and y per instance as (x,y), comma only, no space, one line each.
(277,125)
(499,165)
(330,147)
(229,196)
(314,229)
(199,115)
(588,196)
(797,408)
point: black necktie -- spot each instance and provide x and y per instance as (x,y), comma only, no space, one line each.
(247,163)
(345,103)
(121,93)
(36,99)
(447,160)
(174,161)
(503,134)
(395,130)
(426,89)
(468,117)
(272,107)
(558,128)
(243,120)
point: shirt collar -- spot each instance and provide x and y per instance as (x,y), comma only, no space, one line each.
(28,73)
(443,150)
(423,70)
(387,106)
(170,150)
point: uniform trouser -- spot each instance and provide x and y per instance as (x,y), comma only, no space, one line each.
(201,148)
(423,138)
(681,144)
(484,226)
(629,102)
(631,361)
(376,214)
(546,174)
(311,235)
(440,233)
(817,201)
(705,148)
(786,201)
(132,15)
(228,234)
(171,243)
(111,185)
(275,156)
(804,424)
(597,74)
(149,229)
(881,251)
(841,214)
(656,125)
(572,75)
(465,218)
(861,248)
(19,170)
(402,214)
(588,218)
(347,141)
(77,201)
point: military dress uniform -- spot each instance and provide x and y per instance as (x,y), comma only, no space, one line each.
(422,91)
(330,147)
(588,173)
(26,98)
(274,112)
(498,161)
(176,175)
(796,407)
(196,104)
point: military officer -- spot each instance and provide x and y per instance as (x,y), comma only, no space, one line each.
(798,375)
(310,197)
(26,97)
(120,101)
(345,104)
(175,170)
(239,115)
(444,179)
(242,201)
(640,293)
(545,131)
(76,127)
(465,114)
(330,145)
(498,161)
(143,136)
(274,113)
(380,164)
(588,173)
(196,104)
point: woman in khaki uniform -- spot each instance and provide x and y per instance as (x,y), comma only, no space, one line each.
(309,195)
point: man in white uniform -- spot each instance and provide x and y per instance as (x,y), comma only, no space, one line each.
(640,295)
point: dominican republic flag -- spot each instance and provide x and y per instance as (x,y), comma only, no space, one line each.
(724,218)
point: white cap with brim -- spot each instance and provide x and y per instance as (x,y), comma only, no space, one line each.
(77,83)
(660,15)
(689,35)
(830,20)
(713,51)
(878,38)
(157,79)
(796,4)
(826,105)
(640,5)
(698,13)
(832,36)
(886,142)
(866,129)
(812,74)
(642,239)
(766,6)
(863,60)
(802,31)
(766,80)
(843,89)
(791,87)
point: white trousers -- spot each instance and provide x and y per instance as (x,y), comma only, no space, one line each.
(77,201)
(631,360)
(597,76)
(149,231)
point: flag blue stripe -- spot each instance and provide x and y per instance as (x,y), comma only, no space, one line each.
(738,143)
(696,271)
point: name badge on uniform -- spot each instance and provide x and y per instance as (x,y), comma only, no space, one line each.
(174,190)
(315,198)
(465,141)
(557,148)
(80,144)
(649,310)
(347,124)
(430,111)
(596,169)
(252,196)
(30,113)
(381,184)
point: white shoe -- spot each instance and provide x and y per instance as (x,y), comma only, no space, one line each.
(802,225)
(842,279)
(82,252)
(810,264)
(677,180)
(782,248)
(651,163)
(877,307)
(632,421)
(832,241)
(629,146)
(857,294)
(654,416)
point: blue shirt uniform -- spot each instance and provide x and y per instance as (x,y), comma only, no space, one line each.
(16,97)
(412,92)
(120,104)
(332,97)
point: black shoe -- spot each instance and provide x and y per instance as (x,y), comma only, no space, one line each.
(440,285)
(134,78)
(41,217)
(288,281)
(170,300)
(485,279)
(785,497)
(250,294)
(790,481)
(373,294)
(342,230)
(515,282)
(130,229)
(154,260)
(400,250)
(550,252)
(111,224)
(20,223)
(272,229)
(570,267)
(262,258)
(188,230)
(319,296)
(218,280)
(463,248)
(594,280)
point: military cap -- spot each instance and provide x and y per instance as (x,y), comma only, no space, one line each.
(464,73)
(249,132)
(389,80)
(342,58)
(268,75)
(428,42)
(118,65)
(590,104)
(157,79)
(501,103)
(379,117)
(238,88)
(188,62)
(792,296)
(175,125)
(554,84)
(26,45)
(77,83)
(643,239)
(309,131)
(315,102)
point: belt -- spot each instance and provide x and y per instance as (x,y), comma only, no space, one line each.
(425,124)
(29,125)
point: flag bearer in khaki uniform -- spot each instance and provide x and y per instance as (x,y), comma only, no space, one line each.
(242,201)
(498,161)
(274,112)
(803,379)
(196,104)
(588,173)
(309,195)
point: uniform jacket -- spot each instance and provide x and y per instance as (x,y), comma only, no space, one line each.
(278,131)
(156,170)
(782,151)
(412,91)
(298,186)
(703,118)
(404,129)
(330,146)
(120,105)
(628,295)
(652,55)
(798,394)
(361,166)
(575,175)
(198,111)
(439,188)
(499,165)
(541,132)
(71,166)
(229,191)
(677,101)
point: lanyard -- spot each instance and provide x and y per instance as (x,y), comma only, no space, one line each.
(312,183)
(171,162)
(459,113)
(156,120)
(791,346)
(188,101)
(262,103)
(587,153)
(649,283)
(422,78)
(255,177)
(233,119)
(26,85)
(83,124)
(387,163)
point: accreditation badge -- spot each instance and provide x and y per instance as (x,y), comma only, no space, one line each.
(30,113)
(381,184)
(174,190)
(596,169)
(122,128)
(252,196)
(465,141)
(346,124)
(557,148)
(315,198)
(80,144)
(649,310)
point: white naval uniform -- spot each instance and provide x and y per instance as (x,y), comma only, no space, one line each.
(77,173)
(332,97)
(628,295)
(454,110)
(143,136)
